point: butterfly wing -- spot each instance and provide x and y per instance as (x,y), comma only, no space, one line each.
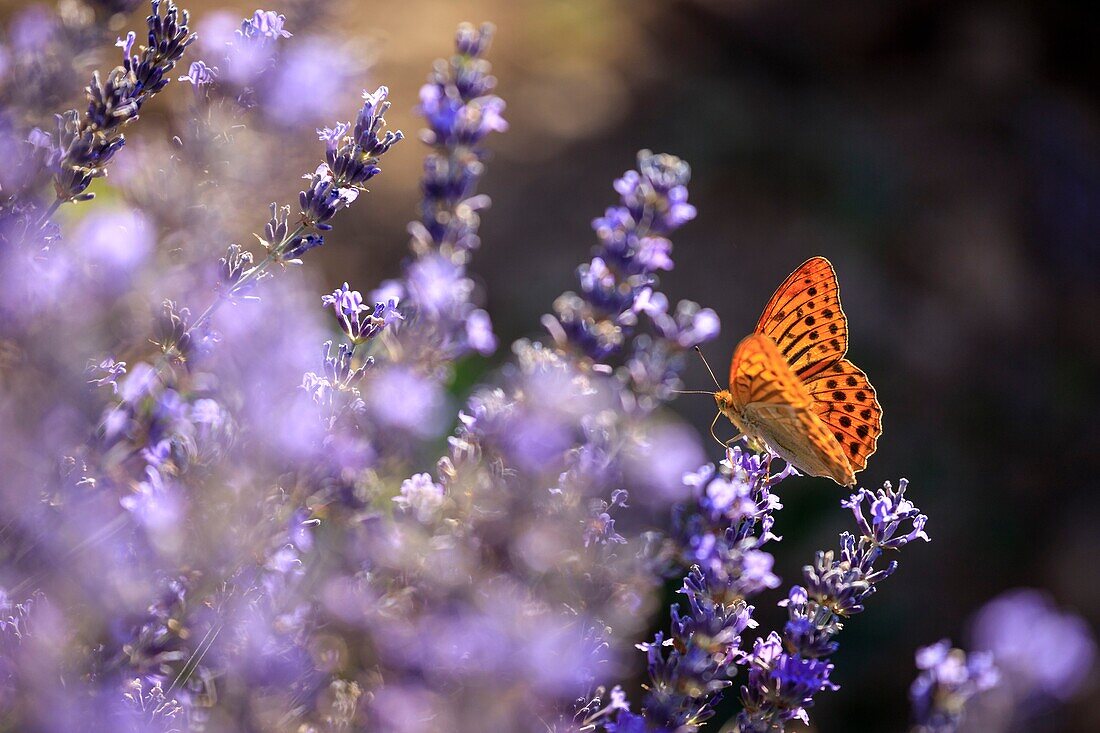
(846,403)
(775,407)
(805,320)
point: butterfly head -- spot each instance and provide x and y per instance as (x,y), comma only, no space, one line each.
(724,400)
(728,407)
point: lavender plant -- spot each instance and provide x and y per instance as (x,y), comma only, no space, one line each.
(209,530)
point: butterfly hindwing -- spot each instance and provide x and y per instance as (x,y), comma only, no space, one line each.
(799,437)
(779,410)
(846,402)
(805,320)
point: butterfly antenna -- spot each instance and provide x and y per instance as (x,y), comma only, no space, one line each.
(692,391)
(711,371)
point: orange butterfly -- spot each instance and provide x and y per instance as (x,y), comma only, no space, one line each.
(791,387)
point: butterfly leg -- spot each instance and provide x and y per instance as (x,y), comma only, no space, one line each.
(724,443)
(712,424)
(731,441)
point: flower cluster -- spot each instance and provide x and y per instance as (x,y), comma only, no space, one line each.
(620,284)
(721,532)
(787,670)
(948,679)
(729,521)
(718,537)
(1029,657)
(86,143)
(351,159)
(461,112)
(360,323)
(248,55)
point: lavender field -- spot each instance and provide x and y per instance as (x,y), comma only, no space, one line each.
(350,376)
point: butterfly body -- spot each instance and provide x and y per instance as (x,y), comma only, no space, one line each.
(791,387)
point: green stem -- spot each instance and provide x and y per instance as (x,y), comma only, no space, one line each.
(48,213)
(250,276)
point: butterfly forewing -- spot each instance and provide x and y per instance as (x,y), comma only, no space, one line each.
(846,402)
(805,320)
(778,408)
(758,373)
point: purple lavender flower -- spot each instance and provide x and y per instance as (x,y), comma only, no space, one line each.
(87,143)
(361,322)
(221,560)
(782,682)
(460,112)
(619,281)
(421,496)
(786,672)
(200,75)
(688,680)
(352,159)
(154,503)
(264,25)
(720,531)
(1041,650)
(948,679)
(600,528)
(620,284)
(109,372)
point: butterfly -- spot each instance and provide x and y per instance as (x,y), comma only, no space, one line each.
(791,388)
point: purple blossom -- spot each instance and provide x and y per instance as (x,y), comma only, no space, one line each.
(948,679)
(783,684)
(230,542)
(264,25)
(600,527)
(1041,650)
(620,282)
(109,372)
(359,321)
(460,114)
(200,75)
(420,410)
(421,496)
(153,502)
(88,142)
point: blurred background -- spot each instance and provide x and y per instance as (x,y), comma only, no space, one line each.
(944,155)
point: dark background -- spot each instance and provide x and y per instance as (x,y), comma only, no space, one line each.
(944,155)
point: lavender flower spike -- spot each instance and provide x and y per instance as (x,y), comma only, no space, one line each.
(460,112)
(786,671)
(87,143)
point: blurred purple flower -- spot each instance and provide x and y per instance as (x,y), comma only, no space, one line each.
(199,74)
(309,85)
(948,679)
(153,503)
(421,496)
(418,408)
(1039,648)
(109,372)
(116,239)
